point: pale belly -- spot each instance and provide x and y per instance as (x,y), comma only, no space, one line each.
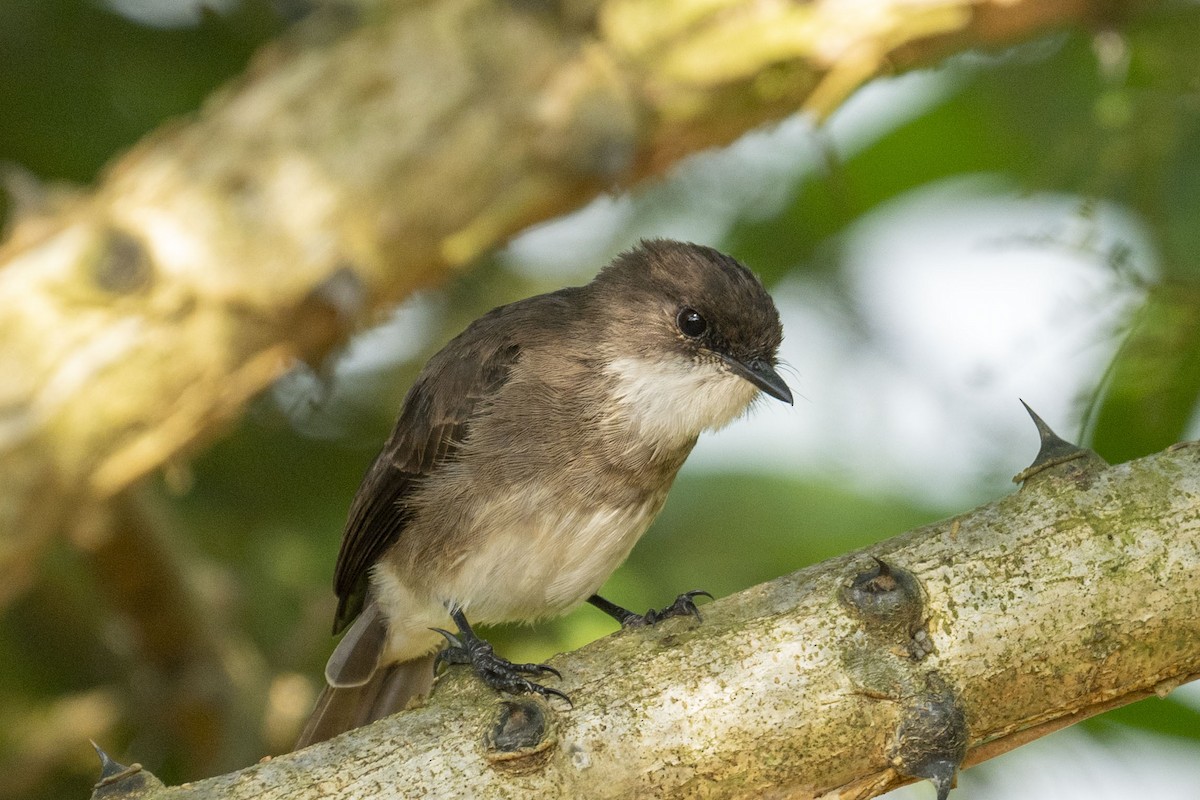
(546,564)
(532,566)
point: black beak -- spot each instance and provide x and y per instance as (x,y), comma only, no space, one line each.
(763,375)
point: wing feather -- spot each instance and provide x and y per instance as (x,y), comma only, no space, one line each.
(449,393)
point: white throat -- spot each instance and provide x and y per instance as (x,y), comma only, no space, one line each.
(671,401)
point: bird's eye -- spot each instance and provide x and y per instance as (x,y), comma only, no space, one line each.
(690,323)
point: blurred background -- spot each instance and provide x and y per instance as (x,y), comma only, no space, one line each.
(1015,224)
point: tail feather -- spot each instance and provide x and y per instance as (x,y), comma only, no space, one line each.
(356,658)
(389,690)
(359,689)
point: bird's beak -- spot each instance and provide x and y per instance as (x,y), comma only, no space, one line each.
(761,374)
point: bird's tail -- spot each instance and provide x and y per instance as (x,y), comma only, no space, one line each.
(389,690)
(359,690)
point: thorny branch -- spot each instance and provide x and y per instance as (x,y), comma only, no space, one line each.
(946,645)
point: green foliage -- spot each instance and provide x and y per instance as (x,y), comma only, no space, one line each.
(1162,717)
(1154,382)
(82,83)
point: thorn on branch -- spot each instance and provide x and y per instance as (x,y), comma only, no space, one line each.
(931,740)
(1055,450)
(120,782)
(108,767)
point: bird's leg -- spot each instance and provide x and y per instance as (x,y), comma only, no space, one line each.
(684,606)
(499,673)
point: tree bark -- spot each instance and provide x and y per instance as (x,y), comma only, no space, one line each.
(358,159)
(1075,594)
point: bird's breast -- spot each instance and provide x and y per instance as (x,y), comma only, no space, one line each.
(543,555)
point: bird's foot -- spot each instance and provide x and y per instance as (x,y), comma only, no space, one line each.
(495,671)
(684,606)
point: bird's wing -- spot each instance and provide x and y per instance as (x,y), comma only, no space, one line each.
(450,391)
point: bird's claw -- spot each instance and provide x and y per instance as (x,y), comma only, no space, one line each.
(450,637)
(497,672)
(684,606)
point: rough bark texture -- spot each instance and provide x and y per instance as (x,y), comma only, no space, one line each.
(370,152)
(1075,594)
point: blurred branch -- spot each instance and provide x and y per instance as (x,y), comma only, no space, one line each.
(363,155)
(964,638)
(193,678)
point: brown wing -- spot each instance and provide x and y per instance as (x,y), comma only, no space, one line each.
(437,413)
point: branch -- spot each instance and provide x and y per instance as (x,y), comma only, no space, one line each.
(964,638)
(349,166)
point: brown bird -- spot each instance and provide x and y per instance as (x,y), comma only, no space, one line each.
(530,455)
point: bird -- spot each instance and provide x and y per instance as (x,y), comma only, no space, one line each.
(529,456)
